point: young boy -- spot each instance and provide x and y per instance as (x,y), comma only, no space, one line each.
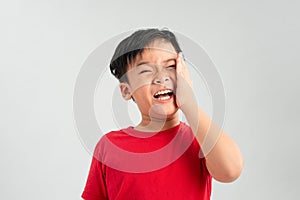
(160,158)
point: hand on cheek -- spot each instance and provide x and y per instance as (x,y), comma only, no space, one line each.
(184,90)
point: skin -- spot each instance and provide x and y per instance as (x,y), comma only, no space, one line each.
(161,67)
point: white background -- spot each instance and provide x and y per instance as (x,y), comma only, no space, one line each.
(43,44)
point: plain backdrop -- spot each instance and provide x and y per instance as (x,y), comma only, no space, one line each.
(254,44)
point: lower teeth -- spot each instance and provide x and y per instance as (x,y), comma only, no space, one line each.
(164,98)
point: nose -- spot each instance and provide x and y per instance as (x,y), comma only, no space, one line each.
(161,78)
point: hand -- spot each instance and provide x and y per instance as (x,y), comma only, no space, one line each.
(184,85)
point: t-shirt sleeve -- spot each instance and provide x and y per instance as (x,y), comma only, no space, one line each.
(95,188)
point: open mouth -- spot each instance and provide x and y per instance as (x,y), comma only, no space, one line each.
(163,95)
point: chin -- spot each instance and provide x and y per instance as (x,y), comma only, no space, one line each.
(164,114)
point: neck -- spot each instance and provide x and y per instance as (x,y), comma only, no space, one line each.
(155,125)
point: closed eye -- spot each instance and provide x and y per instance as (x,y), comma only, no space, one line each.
(144,71)
(171,67)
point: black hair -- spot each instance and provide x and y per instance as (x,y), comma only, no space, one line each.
(134,45)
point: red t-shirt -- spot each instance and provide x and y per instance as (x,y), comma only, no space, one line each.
(130,164)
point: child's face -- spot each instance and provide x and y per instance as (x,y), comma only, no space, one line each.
(152,80)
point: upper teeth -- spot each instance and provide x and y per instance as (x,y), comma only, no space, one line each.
(163,92)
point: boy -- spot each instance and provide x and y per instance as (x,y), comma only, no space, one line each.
(159,158)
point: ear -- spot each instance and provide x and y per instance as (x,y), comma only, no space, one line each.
(125,91)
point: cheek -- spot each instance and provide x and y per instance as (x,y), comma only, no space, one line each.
(173,76)
(142,92)
(139,83)
(143,99)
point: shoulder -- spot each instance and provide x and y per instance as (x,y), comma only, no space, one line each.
(106,140)
(112,135)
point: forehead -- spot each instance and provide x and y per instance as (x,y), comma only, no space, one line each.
(156,52)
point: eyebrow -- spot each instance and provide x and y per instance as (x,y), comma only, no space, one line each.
(165,61)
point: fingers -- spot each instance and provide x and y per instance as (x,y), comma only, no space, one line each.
(179,63)
(182,70)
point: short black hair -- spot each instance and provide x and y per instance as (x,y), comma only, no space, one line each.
(134,45)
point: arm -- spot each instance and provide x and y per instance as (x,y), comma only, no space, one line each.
(223,157)
(95,187)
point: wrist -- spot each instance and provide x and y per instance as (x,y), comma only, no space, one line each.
(189,106)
